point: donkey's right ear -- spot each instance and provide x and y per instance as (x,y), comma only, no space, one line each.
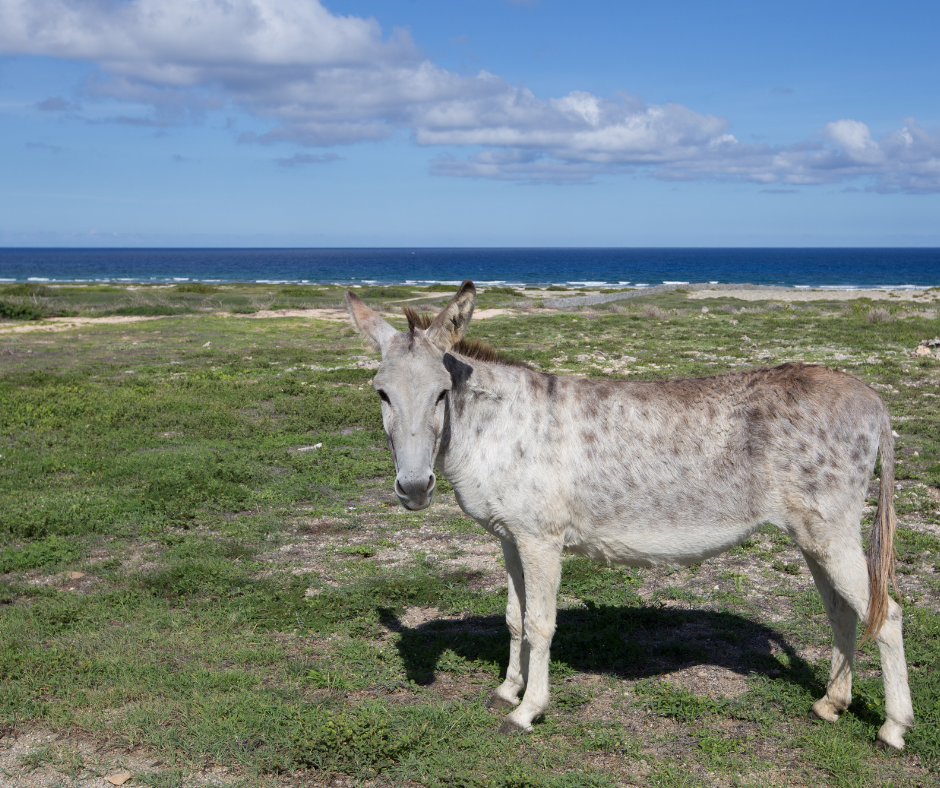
(368,322)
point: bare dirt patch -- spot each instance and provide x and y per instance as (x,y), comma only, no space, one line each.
(336,314)
(67,323)
(40,758)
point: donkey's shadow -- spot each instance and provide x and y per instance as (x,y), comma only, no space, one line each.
(627,642)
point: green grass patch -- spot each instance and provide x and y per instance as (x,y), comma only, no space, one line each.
(249,600)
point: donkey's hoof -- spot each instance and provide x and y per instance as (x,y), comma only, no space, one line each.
(891,736)
(498,703)
(510,727)
(824,710)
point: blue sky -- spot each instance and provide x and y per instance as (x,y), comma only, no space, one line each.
(468,123)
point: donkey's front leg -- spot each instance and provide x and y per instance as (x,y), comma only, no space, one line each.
(507,695)
(541,569)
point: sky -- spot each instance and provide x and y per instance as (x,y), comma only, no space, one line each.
(479,123)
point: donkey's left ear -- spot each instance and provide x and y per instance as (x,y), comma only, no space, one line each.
(449,326)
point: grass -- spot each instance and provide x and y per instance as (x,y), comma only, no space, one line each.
(183,575)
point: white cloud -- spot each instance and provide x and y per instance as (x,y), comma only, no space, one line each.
(299,159)
(323,79)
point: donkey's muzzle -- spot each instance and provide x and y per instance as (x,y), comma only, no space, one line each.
(415,494)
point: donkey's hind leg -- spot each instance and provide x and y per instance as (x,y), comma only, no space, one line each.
(506,696)
(843,620)
(845,570)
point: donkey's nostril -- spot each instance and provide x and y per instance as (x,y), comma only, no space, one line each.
(431,481)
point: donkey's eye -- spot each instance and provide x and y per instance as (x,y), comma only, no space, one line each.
(441,396)
(384,397)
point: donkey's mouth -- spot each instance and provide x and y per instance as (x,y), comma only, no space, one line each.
(413,505)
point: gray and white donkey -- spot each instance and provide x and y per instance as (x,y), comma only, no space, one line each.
(644,474)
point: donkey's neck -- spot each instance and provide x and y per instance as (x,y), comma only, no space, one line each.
(493,407)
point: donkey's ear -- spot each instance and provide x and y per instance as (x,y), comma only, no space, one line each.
(369,323)
(449,326)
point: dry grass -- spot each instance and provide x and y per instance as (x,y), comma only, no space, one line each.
(879,314)
(654,312)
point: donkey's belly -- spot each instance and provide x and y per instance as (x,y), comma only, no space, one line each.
(655,544)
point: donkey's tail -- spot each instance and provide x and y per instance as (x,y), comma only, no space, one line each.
(880,553)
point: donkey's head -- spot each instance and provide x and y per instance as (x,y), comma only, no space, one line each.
(413,384)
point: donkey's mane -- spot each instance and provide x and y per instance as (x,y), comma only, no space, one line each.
(470,348)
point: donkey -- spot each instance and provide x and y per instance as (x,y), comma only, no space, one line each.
(644,473)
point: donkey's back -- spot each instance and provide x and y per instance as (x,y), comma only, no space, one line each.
(672,472)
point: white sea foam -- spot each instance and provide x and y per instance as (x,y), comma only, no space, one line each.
(665,282)
(38,279)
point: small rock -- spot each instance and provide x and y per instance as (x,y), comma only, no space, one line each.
(704,310)
(76,575)
(923,350)
(205,345)
(118,779)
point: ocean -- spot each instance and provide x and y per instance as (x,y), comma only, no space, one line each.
(597,268)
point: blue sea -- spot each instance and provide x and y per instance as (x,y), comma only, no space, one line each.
(597,268)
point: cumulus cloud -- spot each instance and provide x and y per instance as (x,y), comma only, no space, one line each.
(324,79)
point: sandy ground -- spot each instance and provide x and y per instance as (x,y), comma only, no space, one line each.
(338,314)
(67,323)
(792,294)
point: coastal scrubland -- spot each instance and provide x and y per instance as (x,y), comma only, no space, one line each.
(206,579)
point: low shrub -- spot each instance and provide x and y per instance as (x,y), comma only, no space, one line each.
(879,314)
(653,311)
(148,310)
(26,289)
(505,291)
(196,287)
(13,310)
(51,551)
